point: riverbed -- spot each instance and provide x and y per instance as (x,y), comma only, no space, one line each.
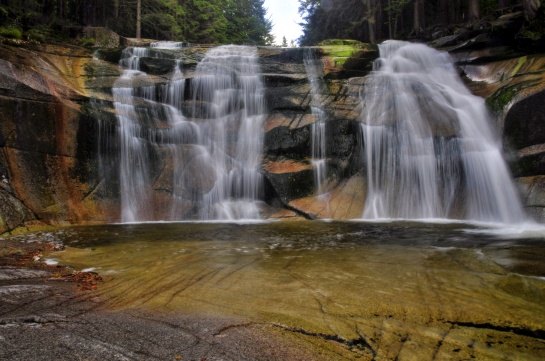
(405,290)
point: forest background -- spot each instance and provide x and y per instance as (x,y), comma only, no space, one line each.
(247,22)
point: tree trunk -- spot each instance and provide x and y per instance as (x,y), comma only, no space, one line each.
(138,18)
(116,8)
(419,22)
(443,11)
(390,25)
(474,10)
(379,20)
(371,21)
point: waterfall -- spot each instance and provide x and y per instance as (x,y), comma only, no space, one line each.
(228,93)
(189,162)
(430,150)
(314,70)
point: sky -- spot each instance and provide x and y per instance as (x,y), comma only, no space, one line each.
(285,17)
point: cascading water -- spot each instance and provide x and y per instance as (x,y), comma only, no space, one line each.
(314,70)
(429,148)
(150,125)
(228,93)
(212,155)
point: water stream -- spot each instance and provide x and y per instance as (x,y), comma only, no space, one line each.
(429,147)
(228,91)
(207,154)
(314,70)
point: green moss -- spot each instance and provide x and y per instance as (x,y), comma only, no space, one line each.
(340,42)
(532,35)
(37,34)
(503,96)
(520,63)
(88,42)
(499,100)
(11,32)
(339,54)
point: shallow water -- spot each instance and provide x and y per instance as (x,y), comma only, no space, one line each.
(450,289)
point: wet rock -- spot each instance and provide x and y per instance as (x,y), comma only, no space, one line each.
(48,141)
(104,37)
(525,122)
(290,179)
(345,201)
(292,143)
(157,66)
(532,191)
(13,213)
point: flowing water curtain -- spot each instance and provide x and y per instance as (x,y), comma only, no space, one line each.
(228,94)
(429,148)
(152,136)
(318,91)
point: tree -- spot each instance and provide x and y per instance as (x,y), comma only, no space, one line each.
(394,9)
(248,22)
(138,18)
(371,20)
(284,42)
(419,16)
(474,10)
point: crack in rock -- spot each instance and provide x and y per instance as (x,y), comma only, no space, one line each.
(359,343)
(33,320)
(538,334)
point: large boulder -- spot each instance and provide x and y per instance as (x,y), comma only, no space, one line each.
(513,85)
(48,143)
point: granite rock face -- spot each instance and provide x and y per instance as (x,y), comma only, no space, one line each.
(55,101)
(287,159)
(57,116)
(47,140)
(513,83)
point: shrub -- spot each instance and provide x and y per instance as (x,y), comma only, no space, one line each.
(36,34)
(11,32)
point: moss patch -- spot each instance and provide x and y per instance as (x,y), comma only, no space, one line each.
(339,51)
(503,96)
(11,32)
(499,100)
(520,63)
(347,55)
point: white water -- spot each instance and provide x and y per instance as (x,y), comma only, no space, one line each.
(314,70)
(213,160)
(429,147)
(229,92)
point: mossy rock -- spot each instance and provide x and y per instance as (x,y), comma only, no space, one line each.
(502,97)
(347,58)
(109,55)
(102,37)
(340,42)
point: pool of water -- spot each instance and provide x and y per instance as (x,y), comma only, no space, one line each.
(449,288)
